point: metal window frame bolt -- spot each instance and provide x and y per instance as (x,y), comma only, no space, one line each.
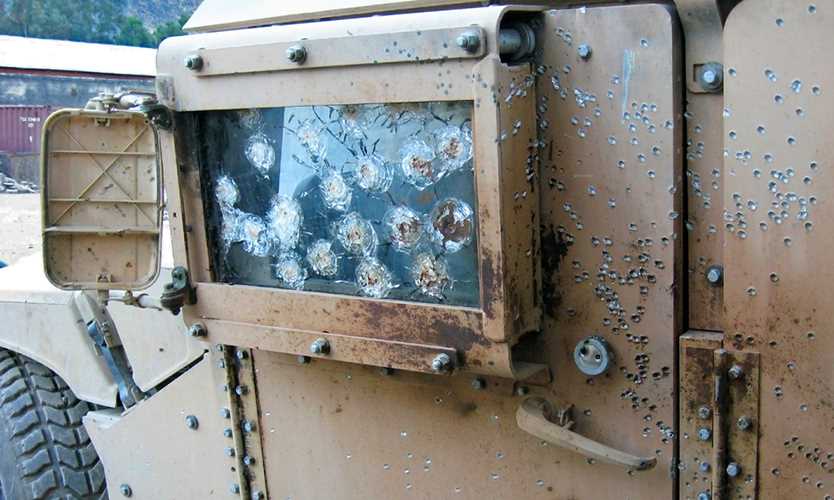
(194,62)
(733,469)
(704,412)
(296,54)
(241,390)
(229,451)
(227,432)
(191,422)
(248,426)
(320,346)
(710,76)
(225,413)
(469,41)
(744,423)
(126,490)
(478,384)
(441,363)
(704,434)
(303,360)
(242,354)
(715,275)
(248,460)
(197,330)
(736,372)
(584,51)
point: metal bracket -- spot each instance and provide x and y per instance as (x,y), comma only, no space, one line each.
(179,292)
(703,27)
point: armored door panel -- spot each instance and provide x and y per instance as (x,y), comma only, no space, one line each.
(779,234)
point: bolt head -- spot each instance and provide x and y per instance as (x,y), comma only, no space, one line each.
(522,390)
(191,422)
(733,469)
(704,495)
(704,434)
(711,76)
(478,383)
(227,432)
(303,360)
(126,490)
(194,63)
(469,41)
(257,495)
(320,346)
(229,451)
(234,489)
(241,354)
(715,275)
(704,467)
(735,372)
(744,422)
(704,412)
(386,370)
(249,426)
(241,390)
(197,330)
(225,413)
(248,460)
(441,363)
(296,54)
(584,51)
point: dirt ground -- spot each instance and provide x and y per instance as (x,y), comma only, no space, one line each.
(20,223)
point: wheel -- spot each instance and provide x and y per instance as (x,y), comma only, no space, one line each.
(45,451)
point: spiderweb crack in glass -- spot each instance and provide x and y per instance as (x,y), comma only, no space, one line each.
(362,199)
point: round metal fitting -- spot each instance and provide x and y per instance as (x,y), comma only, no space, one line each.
(248,426)
(248,460)
(711,76)
(320,346)
(478,384)
(241,390)
(735,372)
(704,434)
(241,354)
(593,356)
(297,54)
(225,413)
(469,41)
(441,363)
(234,489)
(191,422)
(733,469)
(229,451)
(194,62)
(704,467)
(744,422)
(704,412)
(522,390)
(715,275)
(258,495)
(125,490)
(584,51)
(227,432)
(197,330)
(303,360)
(704,495)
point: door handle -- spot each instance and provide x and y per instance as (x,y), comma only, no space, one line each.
(533,417)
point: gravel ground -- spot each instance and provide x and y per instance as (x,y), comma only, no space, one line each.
(20,223)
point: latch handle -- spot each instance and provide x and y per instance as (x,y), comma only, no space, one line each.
(532,417)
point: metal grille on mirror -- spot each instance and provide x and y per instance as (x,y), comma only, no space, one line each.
(375,200)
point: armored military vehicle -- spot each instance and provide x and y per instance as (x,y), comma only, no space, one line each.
(439,249)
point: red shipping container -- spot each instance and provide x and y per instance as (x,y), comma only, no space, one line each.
(20,128)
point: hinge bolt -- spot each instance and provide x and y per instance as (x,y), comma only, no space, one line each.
(469,41)
(704,412)
(584,51)
(735,372)
(320,346)
(744,422)
(478,384)
(126,490)
(733,469)
(704,434)
(191,422)
(197,330)
(441,363)
(715,275)
(194,62)
(297,54)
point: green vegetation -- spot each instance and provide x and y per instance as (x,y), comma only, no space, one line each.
(100,21)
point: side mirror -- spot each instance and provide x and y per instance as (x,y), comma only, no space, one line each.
(101,200)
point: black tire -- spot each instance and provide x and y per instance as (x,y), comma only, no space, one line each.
(45,451)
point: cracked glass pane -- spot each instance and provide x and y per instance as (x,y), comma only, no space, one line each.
(374,200)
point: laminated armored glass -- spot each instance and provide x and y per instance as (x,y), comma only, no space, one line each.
(375,200)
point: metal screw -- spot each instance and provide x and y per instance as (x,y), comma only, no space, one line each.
(303,360)
(744,422)
(704,434)
(219,348)
(126,490)
(704,412)
(197,330)
(584,51)
(711,76)
(320,346)
(704,495)
(478,383)
(230,452)
(249,426)
(257,495)
(234,489)
(241,390)
(227,432)
(441,363)
(194,63)
(225,413)
(733,469)
(241,354)
(715,275)
(297,54)
(704,467)
(469,41)
(191,422)
(248,460)
(735,372)
(221,364)
(522,390)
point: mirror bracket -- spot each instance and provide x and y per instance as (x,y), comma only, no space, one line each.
(179,291)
